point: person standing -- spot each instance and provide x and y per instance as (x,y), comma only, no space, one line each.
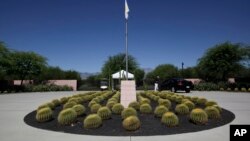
(157,84)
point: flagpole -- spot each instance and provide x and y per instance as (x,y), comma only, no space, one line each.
(126,44)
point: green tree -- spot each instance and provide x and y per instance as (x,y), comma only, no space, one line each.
(26,65)
(71,74)
(4,60)
(56,73)
(190,72)
(221,62)
(139,76)
(116,63)
(164,71)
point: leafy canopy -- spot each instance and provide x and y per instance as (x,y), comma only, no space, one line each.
(116,63)
(221,62)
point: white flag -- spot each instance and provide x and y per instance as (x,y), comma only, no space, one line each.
(126,10)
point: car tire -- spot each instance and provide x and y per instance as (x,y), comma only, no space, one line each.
(187,90)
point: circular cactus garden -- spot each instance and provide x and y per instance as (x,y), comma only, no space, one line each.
(154,113)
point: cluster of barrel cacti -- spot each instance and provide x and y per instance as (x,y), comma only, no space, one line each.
(101,106)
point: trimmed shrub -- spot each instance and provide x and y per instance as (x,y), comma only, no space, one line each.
(135,105)
(104,113)
(190,105)
(243,89)
(131,123)
(211,103)
(236,89)
(160,110)
(212,112)
(165,102)
(92,121)
(94,108)
(80,109)
(128,112)
(201,101)
(67,116)
(145,108)
(170,119)
(117,108)
(182,109)
(221,89)
(229,89)
(206,87)
(44,114)
(198,116)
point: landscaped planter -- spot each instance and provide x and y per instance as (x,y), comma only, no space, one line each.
(175,118)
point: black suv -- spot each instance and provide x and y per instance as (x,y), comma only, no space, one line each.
(176,84)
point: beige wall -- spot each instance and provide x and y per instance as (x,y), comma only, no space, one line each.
(70,83)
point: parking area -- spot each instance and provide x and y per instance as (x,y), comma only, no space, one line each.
(13,108)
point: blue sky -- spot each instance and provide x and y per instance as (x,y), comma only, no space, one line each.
(81,34)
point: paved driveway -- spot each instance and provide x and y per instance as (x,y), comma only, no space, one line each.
(13,108)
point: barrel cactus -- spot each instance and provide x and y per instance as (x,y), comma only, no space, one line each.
(92,103)
(145,101)
(218,107)
(104,113)
(44,114)
(51,105)
(110,104)
(42,106)
(92,121)
(145,108)
(170,119)
(211,103)
(212,112)
(194,99)
(165,102)
(80,109)
(135,105)
(201,101)
(63,100)
(128,112)
(198,116)
(131,123)
(117,108)
(94,108)
(67,116)
(56,102)
(69,105)
(160,110)
(182,109)
(190,105)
